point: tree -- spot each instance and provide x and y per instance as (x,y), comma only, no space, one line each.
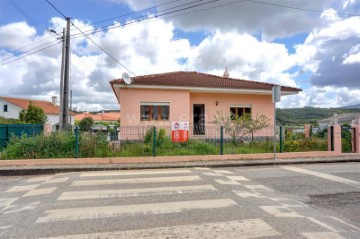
(33,115)
(257,123)
(238,126)
(86,123)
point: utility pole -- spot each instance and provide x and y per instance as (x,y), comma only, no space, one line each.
(61,126)
(65,104)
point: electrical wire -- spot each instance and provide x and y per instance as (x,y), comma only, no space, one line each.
(95,23)
(34,43)
(103,50)
(108,27)
(19,58)
(35,48)
(55,8)
(302,9)
(132,13)
(22,12)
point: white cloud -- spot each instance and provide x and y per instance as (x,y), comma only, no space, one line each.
(268,18)
(245,56)
(143,48)
(13,35)
(331,52)
(328,96)
(323,53)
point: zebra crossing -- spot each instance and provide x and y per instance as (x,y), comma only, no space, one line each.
(171,203)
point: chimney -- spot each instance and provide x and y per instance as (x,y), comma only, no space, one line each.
(226,73)
(53,100)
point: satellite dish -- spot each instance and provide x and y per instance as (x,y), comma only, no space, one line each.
(126,78)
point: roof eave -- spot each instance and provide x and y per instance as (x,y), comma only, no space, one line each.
(203,89)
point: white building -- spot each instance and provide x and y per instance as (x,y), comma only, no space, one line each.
(10,108)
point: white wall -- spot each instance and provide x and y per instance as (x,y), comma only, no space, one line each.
(52,119)
(13,111)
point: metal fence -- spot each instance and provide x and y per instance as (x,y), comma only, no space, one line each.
(9,130)
(148,140)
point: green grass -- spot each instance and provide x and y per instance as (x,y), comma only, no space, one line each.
(306,145)
(56,145)
(62,145)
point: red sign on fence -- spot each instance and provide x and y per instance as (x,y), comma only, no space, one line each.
(179,131)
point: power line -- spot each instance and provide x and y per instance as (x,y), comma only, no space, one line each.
(108,19)
(102,49)
(22,11)
(55,8)
(132,13)
(302,9)
(30,50)
(109,27)
(30,54)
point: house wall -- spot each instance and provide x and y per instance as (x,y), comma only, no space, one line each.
(260,104)
(13,111)
(181,108)
(130,105)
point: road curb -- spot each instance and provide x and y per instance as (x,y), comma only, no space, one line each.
(52,169)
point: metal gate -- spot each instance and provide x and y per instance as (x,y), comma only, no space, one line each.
(346,143)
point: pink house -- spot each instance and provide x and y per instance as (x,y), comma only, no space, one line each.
(194,97)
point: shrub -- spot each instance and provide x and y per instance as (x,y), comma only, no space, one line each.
(160,136)
(86,123)
(56,145)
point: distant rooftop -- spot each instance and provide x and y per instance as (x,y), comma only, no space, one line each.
(106,116)
(48,107)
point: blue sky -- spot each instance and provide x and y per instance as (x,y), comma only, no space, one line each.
(256,41)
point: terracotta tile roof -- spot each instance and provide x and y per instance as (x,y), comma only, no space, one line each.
(48,107)
(196,79)
(111,116)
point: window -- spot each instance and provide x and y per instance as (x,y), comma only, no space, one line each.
(238,111)
(154,111)
(5,108)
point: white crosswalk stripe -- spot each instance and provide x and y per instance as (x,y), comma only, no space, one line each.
(69,214)
(98,194)
(136,173)
(251,228)
(135,180)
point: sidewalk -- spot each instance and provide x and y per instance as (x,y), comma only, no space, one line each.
(45,166)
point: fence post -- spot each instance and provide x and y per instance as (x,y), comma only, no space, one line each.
(281,139)
(221,140)
(154,141)
(77,142)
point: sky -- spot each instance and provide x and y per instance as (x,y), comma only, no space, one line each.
(312,45)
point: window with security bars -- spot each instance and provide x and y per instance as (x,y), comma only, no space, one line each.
(154,111)
(238,111)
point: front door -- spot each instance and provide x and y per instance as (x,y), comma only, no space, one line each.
(199,119)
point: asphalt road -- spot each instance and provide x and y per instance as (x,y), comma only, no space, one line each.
(298,201)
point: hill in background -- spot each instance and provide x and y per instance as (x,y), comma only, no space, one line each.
(351,106)
(308,115)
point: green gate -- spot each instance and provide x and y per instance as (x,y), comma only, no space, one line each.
(8,130)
